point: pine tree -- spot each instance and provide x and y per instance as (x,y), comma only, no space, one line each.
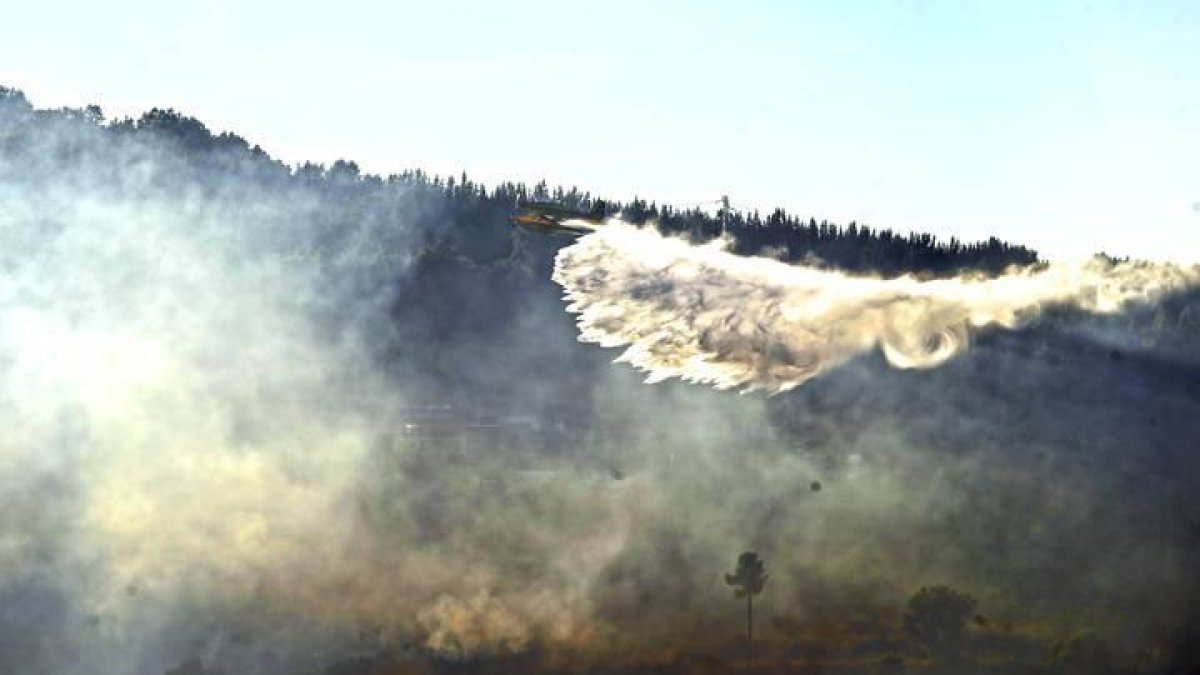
(748,581)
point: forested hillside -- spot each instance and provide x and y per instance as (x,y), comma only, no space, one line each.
(305,421)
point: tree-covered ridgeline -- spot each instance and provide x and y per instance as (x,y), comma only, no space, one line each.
(468,218)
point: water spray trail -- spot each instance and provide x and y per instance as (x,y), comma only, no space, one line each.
(705,315)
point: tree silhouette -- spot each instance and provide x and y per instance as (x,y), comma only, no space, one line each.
(748,581)
(936,618)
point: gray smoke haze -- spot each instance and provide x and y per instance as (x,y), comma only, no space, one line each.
(182,425)
(705,315)
(204,457)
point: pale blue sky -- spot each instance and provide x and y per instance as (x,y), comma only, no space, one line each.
(1071,126)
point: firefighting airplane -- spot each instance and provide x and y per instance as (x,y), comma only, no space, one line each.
(554,218)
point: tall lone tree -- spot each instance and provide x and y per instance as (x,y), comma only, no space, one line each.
(748,581)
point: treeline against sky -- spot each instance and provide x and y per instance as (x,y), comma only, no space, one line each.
(471,216)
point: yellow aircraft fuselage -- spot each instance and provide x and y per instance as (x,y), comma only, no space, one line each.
(556,219)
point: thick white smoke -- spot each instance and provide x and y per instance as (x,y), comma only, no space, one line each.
(194,464)
(703,314)
(211,444)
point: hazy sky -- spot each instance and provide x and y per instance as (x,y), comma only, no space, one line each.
(1074,127)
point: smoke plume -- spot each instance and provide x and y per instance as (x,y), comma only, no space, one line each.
(702,314)
(183,425)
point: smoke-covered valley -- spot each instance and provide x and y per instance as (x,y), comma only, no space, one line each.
(269,419)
